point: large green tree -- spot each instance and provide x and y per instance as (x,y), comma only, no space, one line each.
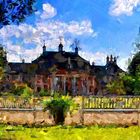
(15,11)
(2,53)
(134,64)
(132,79)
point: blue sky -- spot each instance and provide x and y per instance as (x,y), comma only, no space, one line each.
(103,27)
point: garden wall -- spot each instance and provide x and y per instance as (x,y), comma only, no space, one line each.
(90,118)
(26,117)
(105,118)
(110,118)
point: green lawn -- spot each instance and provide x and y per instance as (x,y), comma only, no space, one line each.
(69,133)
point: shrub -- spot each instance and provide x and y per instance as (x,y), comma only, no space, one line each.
(44,92)
(59,106)
(116,87)
(22,90)
(27,92)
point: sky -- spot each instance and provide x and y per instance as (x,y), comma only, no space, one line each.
(103,27)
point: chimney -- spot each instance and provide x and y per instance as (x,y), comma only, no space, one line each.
(107,59)
(115,60)
(111,58)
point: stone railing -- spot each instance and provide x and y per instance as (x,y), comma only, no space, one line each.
(20,103)
(112,102)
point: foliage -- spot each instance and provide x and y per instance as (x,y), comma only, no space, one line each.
(69,133)
(137,81)
(59,106)
(15,11)
(135,62)
(116,87)
(128,81)
(1,73)
(57,103)
(1,62)
(44,92)
(22,90)
(126,84)
(132,82)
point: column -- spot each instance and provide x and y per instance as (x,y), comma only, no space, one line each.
(52,84)
(42,82)
(83,86)
(87,86)
(74,85)
(64,85)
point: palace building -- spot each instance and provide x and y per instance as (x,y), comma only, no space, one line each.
(66,72)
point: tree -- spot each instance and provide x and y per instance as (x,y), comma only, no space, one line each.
(1,73)
(130,82)
(132,79)
(116,86)
(1,61)
(15,11)
(134,64)
(136,90)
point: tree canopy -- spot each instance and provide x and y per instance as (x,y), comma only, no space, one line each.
(15,11)
(134,64)
(1,61)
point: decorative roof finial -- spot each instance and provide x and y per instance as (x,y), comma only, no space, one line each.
(60,38)
(44,42)
(60,47)
(76,42)
(44,46)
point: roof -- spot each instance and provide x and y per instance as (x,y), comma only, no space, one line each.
(61,60)
(21,67)
(110,69)
(50,61)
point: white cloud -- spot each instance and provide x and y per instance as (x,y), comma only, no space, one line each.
(123,63)
(48,11)
(99,58)
(123,7)
(49,30)
(80,28)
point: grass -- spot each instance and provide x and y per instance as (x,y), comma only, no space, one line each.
(8,132)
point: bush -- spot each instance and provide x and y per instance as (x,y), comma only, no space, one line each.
(44,92)
(27,92)
(22,90)
(116,86)
(59,106)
